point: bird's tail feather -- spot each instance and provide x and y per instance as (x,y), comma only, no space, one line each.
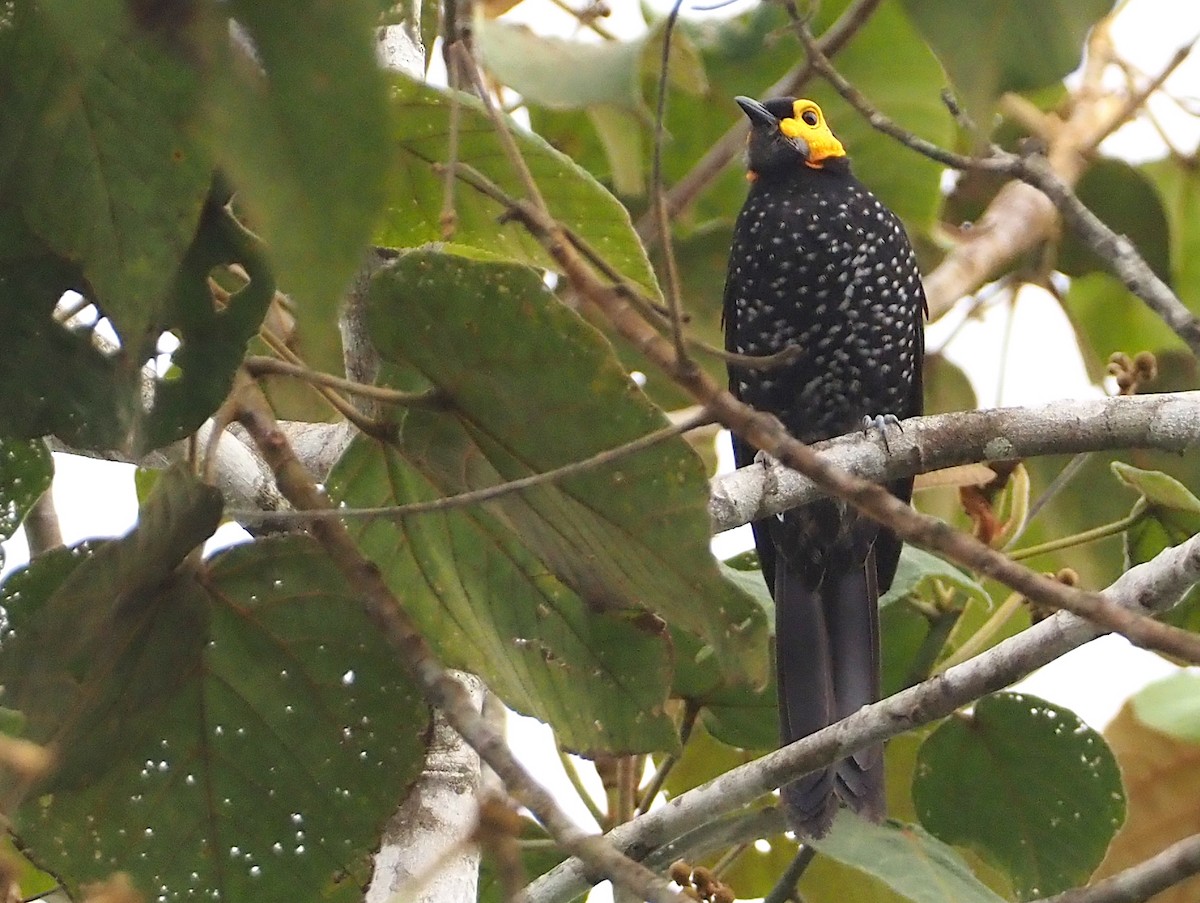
(827,665)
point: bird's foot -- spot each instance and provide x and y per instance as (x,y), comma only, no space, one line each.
(880,422)
(770,479)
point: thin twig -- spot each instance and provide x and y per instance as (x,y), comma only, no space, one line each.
(652,311)
(690,714)
(785,888)
(586,20)
(259,365)
(503,133)
(1060,481)
(487,493)
(576,781)
(448,219)
(415,654)
(667,247)
(1078,539)
(335,400)
(1137,99)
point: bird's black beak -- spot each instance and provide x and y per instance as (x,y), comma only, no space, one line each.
(758,115)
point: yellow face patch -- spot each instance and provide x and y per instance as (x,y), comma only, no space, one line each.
(808,124)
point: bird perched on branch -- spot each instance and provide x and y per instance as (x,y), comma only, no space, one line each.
(820,264)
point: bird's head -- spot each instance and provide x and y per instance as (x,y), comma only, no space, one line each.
(786,133)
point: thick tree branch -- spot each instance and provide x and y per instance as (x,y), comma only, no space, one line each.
(1156,585)
(1170,422)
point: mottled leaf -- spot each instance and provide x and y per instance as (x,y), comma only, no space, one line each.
(227,730)
(1026,784)
(26,469)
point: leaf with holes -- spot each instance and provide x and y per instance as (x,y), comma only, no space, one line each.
(1026,784)
(26,469)
(66,382)
(125,128)
(235,729)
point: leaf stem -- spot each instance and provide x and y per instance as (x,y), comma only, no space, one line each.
(1078,539)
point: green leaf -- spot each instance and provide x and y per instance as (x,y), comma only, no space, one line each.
(61,381)
(1026,784)
(26,469)
(1126,200)
(536,388)
(735,714)
(1178,187)
(488,605)
(547,589)
(1172,512)
(918,572)
(1108,318)
(621,135)
(561,73)
(904,858)
(1009,45)
(236,729)
(56,380)
(413,217)
(1172,706)
(212,341)
(125,128)
(1171,516)
(303,130)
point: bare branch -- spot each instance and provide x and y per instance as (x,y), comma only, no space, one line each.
(1169,421)
(1159,583)
(487,493)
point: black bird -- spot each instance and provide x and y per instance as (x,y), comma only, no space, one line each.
(820,264)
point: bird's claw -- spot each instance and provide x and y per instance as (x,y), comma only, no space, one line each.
(770,482)
(880,422)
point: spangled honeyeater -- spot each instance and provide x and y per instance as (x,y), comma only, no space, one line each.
(819,263)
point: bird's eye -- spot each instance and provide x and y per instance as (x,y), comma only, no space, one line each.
(810,117)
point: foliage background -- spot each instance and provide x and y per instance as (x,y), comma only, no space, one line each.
(113,123)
